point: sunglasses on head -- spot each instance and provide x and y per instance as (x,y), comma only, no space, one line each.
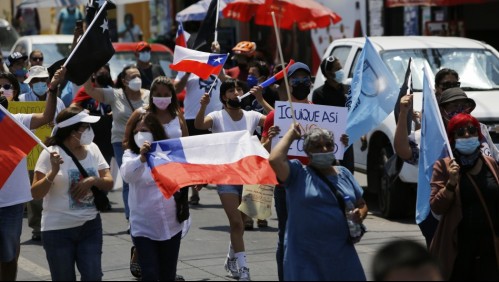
(37,59)
(297,81)
(6,86)
(461,132)
(448,84)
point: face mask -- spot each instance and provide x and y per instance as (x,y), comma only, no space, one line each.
(4,102)
(252,81)
(135,84)
(339,76)
(300,91)
(467,146)
(128,22)
(40,88)
(141,137)
(234,103)
(20,73)
(87,137)
(162,102)
(103,80)
(145,56)
(322,160)
(8,94)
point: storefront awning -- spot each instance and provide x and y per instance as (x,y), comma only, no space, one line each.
(402,3)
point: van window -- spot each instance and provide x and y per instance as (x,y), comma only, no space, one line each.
(355,60)
(341,52)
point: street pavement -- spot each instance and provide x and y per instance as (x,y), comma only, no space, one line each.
(203,250)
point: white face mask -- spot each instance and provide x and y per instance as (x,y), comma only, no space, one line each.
(135,84)
(87,137)
(9,94)
(145,56)
(141,137)
(162,102)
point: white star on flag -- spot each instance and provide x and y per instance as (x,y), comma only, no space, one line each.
(104,26)
(160,154)
(218,60)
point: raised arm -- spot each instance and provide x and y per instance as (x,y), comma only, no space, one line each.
(179,85)
(401,142)
(203,122)
(257,91)
(47,116)
(279,156)
(96,93)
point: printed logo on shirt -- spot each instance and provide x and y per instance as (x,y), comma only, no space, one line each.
(86,202)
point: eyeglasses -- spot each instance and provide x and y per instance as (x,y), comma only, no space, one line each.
(461,132)
(297,81)
(37,59)
(6,86)
(449,84)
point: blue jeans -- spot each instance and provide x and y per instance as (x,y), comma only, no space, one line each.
(118,154)
(158,259)
(81,245)
(282,217)
(11,224)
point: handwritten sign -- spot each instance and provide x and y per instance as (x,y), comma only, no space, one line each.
(309,116)
(42,132)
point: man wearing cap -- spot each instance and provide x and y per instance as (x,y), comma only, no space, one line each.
(451,101)
(17,64)
(148,71)
(17,190)
(243,54)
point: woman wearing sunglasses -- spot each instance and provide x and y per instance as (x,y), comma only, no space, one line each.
(465,192)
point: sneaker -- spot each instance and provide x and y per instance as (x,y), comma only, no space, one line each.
(231,267)
(244,274)
(262,223)
(248,225)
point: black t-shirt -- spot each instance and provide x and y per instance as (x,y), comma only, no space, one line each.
(327,95)
(149,74)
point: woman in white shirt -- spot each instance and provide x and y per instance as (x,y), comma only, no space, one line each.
(155,228)
(71,225)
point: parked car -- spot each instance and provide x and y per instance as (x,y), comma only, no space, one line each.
(54,47)
(478,66)
(8,36)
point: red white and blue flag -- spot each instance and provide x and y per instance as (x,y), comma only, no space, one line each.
(221,158)
(277,76)
(14,145)
(182,36)
(199,63)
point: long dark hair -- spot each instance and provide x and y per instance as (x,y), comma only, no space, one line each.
(15,84)
(173,108)
(121,76)
(155,126)
(64,132)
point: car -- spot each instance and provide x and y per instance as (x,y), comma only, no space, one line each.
(54,47)
(8,36)
(477,64)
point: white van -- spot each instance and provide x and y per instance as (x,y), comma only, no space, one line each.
(477,64)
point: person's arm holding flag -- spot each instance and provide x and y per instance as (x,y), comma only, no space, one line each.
(48,114)
(401,140)
(203,122)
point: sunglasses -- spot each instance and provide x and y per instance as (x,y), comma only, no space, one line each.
(6,86)
(297,81)
(461,132)
(37,59)
(448,84)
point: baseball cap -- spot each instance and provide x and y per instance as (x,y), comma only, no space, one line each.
(14,57)
(37,71)
(453,94)
(297,66)
(141,46)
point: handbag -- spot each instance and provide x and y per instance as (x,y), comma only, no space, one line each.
(339,197)
(100,198)
(182,203)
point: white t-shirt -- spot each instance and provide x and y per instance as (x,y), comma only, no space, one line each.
(195,89)
(17,189)
(60,210)
(173,129)
(222,122)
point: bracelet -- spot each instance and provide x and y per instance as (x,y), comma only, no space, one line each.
(48,180)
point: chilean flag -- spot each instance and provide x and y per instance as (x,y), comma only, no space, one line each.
(277,76)
(199,63)
(220,158)
(14,145)
(182,36)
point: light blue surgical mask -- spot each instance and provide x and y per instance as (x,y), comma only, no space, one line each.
(467,146)
(145,56)
(252,81)
(40,88)
(339,76)
(322,160)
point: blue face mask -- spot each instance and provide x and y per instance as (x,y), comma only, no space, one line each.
(467,146)
(339,76)
(322,160)
(145,56)
(20,73)
(40,88)
(252,81)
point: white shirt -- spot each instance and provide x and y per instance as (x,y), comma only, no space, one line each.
(195,89)
(60,210)
(173,129)
(17,189)
(222,122)
(151,214)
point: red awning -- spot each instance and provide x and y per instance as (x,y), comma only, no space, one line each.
(402,3)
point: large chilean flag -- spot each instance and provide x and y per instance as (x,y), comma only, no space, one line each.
(219,158)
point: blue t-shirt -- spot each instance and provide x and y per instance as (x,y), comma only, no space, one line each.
(68,20)
(316,240)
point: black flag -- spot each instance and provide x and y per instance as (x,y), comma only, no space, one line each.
(403,92)
(206,33)
(94,51)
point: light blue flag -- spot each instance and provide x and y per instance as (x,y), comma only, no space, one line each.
(433,146)
(372,96)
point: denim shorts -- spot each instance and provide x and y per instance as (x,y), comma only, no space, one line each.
(231,189)
(11,223)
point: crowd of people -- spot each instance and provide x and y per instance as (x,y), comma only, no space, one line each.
(142,105)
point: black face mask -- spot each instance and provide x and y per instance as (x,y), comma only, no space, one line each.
(300,91)
(234,103)
(4,102)
(103,80)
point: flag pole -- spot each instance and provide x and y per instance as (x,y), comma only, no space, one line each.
(215,81)
(31,134)
(216,20)
(284,69)
(85,34)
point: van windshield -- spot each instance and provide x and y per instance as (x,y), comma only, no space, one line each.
(478,69)
(123,59)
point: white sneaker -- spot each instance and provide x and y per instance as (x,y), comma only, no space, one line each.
(244,274)
(231,267)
